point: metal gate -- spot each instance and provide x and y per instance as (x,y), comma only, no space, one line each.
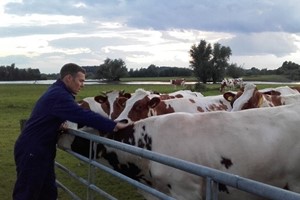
(212,176)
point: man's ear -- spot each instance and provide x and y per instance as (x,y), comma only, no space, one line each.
(69,78)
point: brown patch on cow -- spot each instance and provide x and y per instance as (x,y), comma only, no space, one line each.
(148,142)
(226,162)
(272,92)
(276,100)
(145,143)
(223,188)
(124,135)
(286,187)
(273,100)
(139,109)
(165,96)
(103,102)
(254,101)
(192,100)
(128,169)
(163,108)
(83,104)
(297,88)
(215,107)
(200,109)
(179,96)
(141,144)
(118,107)
(268,98)
(212,107)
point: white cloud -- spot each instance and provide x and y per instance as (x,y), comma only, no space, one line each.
(38,20)
(50,33)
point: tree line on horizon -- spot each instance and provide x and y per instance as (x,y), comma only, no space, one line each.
(11,73)
(208,63)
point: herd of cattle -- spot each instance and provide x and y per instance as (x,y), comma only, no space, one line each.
(251,133)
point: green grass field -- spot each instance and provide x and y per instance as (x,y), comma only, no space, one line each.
(16,103)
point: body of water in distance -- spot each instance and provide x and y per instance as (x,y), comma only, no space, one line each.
(95,82)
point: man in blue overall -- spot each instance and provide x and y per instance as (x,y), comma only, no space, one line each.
(35,149)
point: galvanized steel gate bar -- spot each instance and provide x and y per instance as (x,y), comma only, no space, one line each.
(213,176)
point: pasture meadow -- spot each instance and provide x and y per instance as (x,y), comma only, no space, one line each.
(16,103)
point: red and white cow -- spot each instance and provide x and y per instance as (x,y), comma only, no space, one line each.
(283,90)
(259,144)
(142,105)
(177,82)
(231,83)
(108,104)
(251,97)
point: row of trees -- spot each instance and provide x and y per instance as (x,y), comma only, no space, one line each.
(11,73)
(113,70)
(156,71)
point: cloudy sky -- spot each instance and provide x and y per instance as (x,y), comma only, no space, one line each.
(47,34)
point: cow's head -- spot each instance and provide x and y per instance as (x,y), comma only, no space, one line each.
(137,107)
(251,97)
(111,104)
(246,99)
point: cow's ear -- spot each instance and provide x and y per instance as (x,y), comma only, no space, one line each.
(127,95)
(100,99)
(154,102)
(229,96)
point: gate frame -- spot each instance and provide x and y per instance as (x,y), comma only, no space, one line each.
(212,176)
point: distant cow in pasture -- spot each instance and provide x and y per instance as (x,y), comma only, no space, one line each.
(259,144)
(178,82)
(231,84)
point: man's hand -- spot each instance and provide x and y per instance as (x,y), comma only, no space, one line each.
(120,125)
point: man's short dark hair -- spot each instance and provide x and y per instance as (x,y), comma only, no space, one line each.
(70,68)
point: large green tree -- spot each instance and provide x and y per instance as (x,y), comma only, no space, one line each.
(209,63)
(112,70)
(219,61)
(200,63)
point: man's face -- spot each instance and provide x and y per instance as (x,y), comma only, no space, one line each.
(76,83)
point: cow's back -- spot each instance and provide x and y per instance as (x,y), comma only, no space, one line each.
(245,143)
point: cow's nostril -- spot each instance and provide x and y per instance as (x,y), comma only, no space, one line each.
(125,121)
